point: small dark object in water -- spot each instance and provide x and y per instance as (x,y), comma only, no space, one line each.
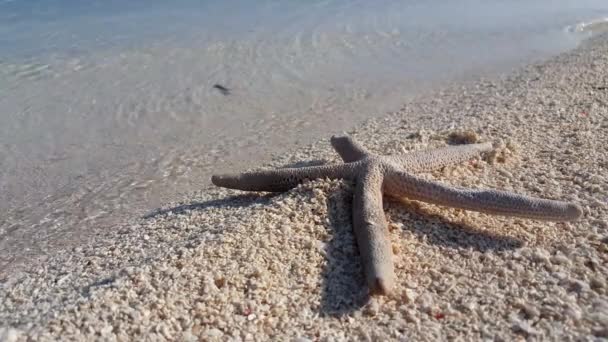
(601,88)
(222,89)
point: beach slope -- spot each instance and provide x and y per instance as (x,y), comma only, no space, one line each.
(228,265)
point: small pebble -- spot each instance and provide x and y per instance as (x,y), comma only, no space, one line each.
(301,339)
(10,334)
(525,327)
(579,286)
(372,308)
(213,332)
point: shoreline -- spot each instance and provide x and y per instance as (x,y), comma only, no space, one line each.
(147,127)
(225,264)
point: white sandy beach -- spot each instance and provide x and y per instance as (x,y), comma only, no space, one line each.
(228,265)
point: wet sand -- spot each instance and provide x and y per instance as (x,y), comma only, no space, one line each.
(227,265)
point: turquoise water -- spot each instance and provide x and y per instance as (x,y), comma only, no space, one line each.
(108,108)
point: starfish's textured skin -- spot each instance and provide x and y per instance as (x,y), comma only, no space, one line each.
(392,175)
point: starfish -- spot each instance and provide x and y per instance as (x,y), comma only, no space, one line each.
(375,175)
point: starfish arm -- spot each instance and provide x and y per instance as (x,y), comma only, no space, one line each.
(420,161)
(401,184)
(348,149)
(371,231)
(282,179)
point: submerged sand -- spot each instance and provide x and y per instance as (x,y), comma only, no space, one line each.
(227,265)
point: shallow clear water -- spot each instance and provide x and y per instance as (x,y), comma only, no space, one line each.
(108,108)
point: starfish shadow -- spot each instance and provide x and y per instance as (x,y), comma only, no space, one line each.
(344,289)
(450,234)
(236,201)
